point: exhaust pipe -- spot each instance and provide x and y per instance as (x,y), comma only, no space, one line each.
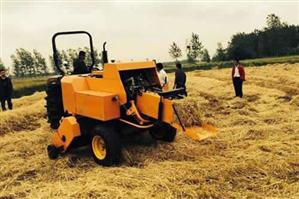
(104,54)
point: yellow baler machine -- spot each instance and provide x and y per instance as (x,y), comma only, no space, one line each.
(98,108)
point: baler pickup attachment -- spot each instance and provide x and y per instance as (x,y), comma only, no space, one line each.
(201,133)
(196,132)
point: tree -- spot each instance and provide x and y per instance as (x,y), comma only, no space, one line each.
(220,53)
(278,39)
(273,21)
(52,64)
(194,48)
(97,56)
(174,51)
(39,63)
(1,64)
(67,57)
(205,56)
(23,63)
(26,63)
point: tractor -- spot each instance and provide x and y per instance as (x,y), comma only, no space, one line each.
(102,108)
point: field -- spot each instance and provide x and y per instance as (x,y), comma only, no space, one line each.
(27,86)
(170,66)
(254,155)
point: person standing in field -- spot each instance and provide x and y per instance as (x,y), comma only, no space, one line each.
(79,64)
(6,89)
(162,76)
(180,78)
(238,77)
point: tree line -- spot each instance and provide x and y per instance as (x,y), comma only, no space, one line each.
(276,39)
(31,64)
(67,57)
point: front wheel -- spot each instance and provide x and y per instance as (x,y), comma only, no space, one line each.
(105,145)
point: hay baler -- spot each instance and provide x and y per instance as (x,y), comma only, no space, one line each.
(104,106)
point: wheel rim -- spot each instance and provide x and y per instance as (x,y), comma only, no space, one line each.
(98,147)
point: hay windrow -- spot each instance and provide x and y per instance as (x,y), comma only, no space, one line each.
(189,112)
(25,116)
(255,154)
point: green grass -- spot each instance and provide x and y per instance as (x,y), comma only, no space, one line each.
(170,66)
(27,86)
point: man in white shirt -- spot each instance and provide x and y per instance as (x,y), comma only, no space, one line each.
(162,76)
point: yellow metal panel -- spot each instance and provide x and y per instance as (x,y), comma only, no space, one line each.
(148,104)
(67,131)
(108,85)
(111,72)
(68,97)
(97,105)
(167,111)
(70,85)
(132,65)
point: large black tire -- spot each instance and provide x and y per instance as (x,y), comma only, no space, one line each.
(112,145)
(54,103)
(164,132)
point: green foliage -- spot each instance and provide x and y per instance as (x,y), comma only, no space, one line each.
(220,53)
(26,63)
(277,39)
(1,64)
(205,57)
(194,48)
(67,57)
(273,21)
(40,64)
(174,51)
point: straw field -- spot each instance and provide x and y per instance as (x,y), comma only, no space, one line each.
(254,155)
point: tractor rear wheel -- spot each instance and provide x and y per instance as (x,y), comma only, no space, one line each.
(54,103)
(164,132)
(105,145)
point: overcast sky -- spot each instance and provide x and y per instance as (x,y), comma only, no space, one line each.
(133,30)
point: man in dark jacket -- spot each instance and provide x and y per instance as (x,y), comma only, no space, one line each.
(79,64)
(5,90)
(180,78)
(238,77)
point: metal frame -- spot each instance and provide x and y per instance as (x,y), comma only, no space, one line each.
(55,52)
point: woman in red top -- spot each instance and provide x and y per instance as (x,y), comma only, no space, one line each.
(238,76)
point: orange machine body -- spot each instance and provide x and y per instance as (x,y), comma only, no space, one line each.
(68,130)
(99,96)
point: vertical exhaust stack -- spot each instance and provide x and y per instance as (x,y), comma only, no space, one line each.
(104,54)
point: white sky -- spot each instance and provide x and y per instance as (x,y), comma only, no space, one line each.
(133,29)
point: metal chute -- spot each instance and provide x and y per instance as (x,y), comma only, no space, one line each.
(196,132)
